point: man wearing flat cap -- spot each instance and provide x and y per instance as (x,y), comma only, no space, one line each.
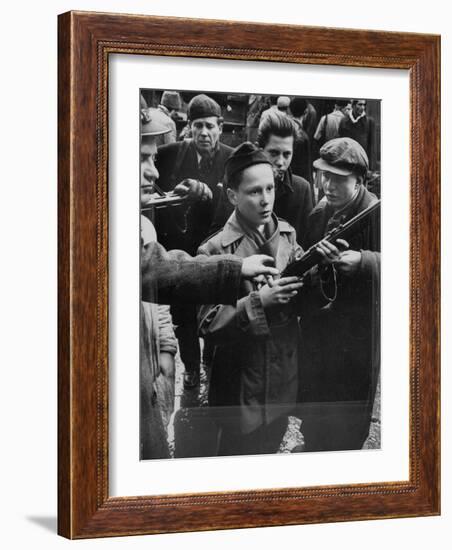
(199,162)
(254,370)
(341,317)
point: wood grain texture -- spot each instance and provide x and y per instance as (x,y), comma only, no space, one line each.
(85,42)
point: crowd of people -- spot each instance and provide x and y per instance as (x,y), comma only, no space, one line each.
(275,346)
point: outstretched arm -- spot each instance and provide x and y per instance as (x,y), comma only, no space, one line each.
(176,277)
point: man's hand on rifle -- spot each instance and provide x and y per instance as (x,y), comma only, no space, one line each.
(345,261)
(257,265)
(193,190)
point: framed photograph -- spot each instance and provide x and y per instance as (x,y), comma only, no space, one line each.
(215,393)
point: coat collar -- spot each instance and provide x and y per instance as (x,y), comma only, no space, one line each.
(233,232)
(286,183)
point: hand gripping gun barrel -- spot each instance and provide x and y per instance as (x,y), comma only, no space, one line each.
(160,199)
(311,257)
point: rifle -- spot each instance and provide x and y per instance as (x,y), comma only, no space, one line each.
(163,201)
(160,199)
(311,257)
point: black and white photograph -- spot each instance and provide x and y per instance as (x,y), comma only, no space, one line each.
(260,262)
(201,345)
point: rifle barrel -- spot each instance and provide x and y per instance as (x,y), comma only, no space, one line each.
(311,257)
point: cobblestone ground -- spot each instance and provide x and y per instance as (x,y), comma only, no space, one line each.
(294,434)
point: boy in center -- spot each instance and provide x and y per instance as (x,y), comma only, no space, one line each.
(254,371)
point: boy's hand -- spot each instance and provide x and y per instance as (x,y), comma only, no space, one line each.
(281,291)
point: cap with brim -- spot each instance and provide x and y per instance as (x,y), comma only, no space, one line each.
(342,156)
(244,156)
(154,122)
(321,164)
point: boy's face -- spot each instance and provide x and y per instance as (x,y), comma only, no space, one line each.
(255,196)
(279,151)
(339,189)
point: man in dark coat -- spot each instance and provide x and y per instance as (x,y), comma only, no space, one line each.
(302,151)
(340,323)
(293,197)
(201,159)
(360,127)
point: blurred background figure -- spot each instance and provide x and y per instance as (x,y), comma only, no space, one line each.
(283,103)
(328,127)
(302,158)
(170,105)
(360,127)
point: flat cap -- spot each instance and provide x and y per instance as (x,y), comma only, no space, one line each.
(203,106)
(244,156)
(343,156)
(154,122)
(171,100)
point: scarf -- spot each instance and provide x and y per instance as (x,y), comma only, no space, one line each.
(355,120)
(267,241)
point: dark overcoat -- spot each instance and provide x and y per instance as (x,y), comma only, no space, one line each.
(340,357)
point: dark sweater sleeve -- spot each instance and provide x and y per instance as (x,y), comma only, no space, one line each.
(175,277)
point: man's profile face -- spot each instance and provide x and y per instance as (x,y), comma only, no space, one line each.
(255,196)
(339,190)
(279,151)
(358,107)
(148,171)
(206,133)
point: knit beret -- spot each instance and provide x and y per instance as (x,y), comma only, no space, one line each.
(343,156)
(203,106)
(244,156)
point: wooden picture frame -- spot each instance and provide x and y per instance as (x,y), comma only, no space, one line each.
(85,42)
